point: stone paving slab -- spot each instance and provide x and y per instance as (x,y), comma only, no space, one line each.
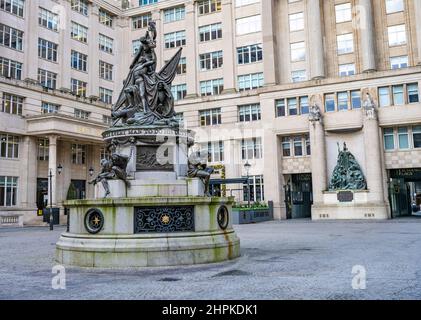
(297,259)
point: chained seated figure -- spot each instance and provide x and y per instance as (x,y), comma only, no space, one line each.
(197,168)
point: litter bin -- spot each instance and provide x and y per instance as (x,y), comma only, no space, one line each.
(56,215)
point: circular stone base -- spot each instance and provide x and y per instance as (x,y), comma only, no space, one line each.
(147,250)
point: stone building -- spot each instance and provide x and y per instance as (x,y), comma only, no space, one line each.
(250,71)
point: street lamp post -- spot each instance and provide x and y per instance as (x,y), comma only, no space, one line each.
(247,166)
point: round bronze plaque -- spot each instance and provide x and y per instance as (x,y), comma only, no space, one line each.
(94,221)
(223,217)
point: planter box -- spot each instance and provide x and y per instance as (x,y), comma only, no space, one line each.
(251,216)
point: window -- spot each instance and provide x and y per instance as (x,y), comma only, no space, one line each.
(141,21)
(175,39)
(330,102)
(249,112)
(342,100)
(8,191)
(105,18)
(256,189)
(146,2)
(210,117)
(298,146)
(105,70)
(397,35)
(292,106)
(304,106)
(280,108)
(11,37)
(79,61)
(78,87)
(80,6)
(416,136)
(107,120)
(251,149)
(343,12)
(81,114)
(240,3)
(298,75)
(179,91)
(394,6)
(398,98)
(249,54)
(47,79)
(211,87)
(286,146)
(403,138)
(9,146)
(105,43)
(412,90)
(212,60)
(250,81)
(346,69)
(13,6)
(389,139)
(105,95)
(345,43)
(78,154)
(182,66)
(210,32)
(384,97)
(307,142)
(47,107)
(215,151)
(209,6)
(298,51)
(355,99)
(48,19)
(399,62)
(43,149)
(249,24)
(12,104)
(47,50)
(296,21)
(79,32)
(174,14)
(10,68)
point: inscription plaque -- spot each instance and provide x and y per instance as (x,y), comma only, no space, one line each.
(154,158)
(345,196)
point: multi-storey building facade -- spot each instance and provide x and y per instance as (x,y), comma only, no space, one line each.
(250,70)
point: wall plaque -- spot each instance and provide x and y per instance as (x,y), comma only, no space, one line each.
(154,158)
(345,196)
(163,219)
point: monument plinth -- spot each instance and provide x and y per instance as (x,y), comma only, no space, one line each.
(152,206)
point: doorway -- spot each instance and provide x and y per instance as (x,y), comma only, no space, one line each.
(298,196)
(78,189)
(42,193)
(405,192)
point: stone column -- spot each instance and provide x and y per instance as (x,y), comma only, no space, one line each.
(93,61)
(270,65)
(228,46)
(318,154)
(52,165)
(30,40)
(123,49)
(191,49)
(367,40)
(315,40)
(372,150)
(28,167)
(417,12)
(64,48)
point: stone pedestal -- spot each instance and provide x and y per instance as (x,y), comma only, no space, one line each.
(117,189)
(148,232)
(195,187)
